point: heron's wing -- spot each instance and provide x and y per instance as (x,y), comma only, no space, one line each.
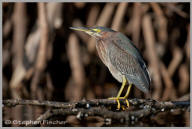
(127,45)
(129,66)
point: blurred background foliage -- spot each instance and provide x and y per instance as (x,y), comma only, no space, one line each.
(43,59)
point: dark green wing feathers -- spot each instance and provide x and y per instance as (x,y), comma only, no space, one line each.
(129,62)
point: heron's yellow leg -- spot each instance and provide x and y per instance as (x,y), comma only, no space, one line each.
(119,93)
(128,91)
(127,94)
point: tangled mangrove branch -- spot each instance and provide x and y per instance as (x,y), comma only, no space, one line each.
(102,108)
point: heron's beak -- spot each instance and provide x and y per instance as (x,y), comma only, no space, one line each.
(92,32)
(85,29)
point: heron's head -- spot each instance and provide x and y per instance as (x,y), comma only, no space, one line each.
(96,32)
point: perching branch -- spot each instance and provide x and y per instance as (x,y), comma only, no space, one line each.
(140,103)
(100,107)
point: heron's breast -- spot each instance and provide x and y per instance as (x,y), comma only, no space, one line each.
(116,74)
(103,54)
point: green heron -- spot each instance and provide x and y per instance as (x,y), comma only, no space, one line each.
(121,57)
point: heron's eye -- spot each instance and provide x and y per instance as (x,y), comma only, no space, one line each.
(96,30)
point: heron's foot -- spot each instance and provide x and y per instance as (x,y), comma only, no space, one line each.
(126,100)
(118,102)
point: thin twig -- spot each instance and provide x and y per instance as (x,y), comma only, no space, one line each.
(41,56)
(81,113)
(149,38)
(103,20)
(78,72)
(117,20)
(19,33)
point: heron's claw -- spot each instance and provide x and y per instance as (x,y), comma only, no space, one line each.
(127,102)
(118,102)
